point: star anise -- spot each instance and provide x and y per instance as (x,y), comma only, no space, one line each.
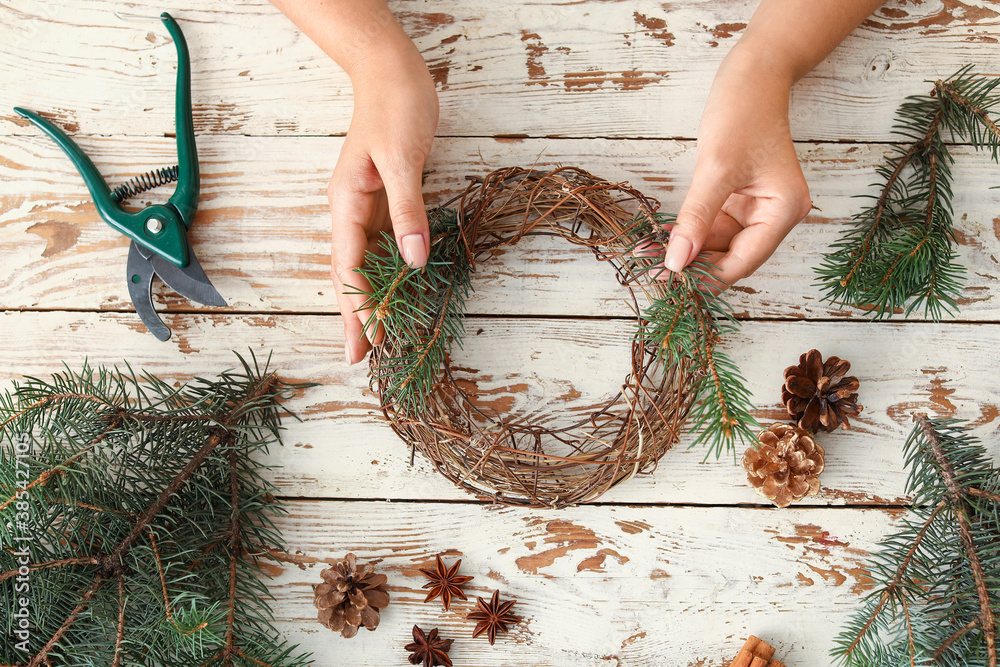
(445,582)
(429,649)
(492,616)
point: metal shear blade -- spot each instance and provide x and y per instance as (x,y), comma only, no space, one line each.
(140,290)
(190,282)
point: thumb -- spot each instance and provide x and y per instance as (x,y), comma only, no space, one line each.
(703,202)
(409,219)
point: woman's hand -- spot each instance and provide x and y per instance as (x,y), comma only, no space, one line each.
(376,185)
(748,190)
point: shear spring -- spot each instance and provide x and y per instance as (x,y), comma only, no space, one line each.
(144,182)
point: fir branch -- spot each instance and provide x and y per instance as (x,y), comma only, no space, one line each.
(163,579)
(426,357)
(959,507)
(41,657)
(975,98)
(973,491)
(63,562)
(218,436)
(234,555)
(684,326)
(892,589)
(106,483)
(877,220)
(971,625)
(940,591)
(900,255)
(421,309)
(120,630)
(49,401)
(43,478)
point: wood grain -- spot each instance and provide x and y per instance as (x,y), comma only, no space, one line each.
(344,449)
(589,68)
(595,586)
(262,231)
(614,87)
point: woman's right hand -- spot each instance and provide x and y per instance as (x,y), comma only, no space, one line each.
(376,185)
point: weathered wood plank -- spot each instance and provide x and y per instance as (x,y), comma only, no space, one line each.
(590,68)
(262,231)
(343,448)
(613,585)
(609,587)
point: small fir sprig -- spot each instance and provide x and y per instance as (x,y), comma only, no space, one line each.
(144,513)
(900,254)
(423,309)
(685,326)
(936,599)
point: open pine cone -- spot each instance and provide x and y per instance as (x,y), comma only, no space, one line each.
(786,468)
(350,597)
(817,394)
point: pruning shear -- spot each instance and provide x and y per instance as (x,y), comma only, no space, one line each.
(160,246)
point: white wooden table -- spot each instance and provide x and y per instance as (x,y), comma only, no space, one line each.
(676,568)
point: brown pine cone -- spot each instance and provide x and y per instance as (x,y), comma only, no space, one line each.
(817,394)
(350,597)
(786,468)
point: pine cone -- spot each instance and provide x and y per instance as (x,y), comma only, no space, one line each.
(351,597)
(786,468)
(817,394)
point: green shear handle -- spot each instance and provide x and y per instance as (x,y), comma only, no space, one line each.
(161,228)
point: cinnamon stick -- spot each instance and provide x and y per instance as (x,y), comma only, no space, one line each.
(765,652)
(743,659)
(755,653)
(745,655)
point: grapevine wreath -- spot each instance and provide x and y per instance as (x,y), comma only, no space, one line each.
(677,370)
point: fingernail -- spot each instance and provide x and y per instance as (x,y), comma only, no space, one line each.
(348,352)
(414,250)
(678,252)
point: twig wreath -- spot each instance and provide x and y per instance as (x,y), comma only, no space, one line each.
(678,372)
